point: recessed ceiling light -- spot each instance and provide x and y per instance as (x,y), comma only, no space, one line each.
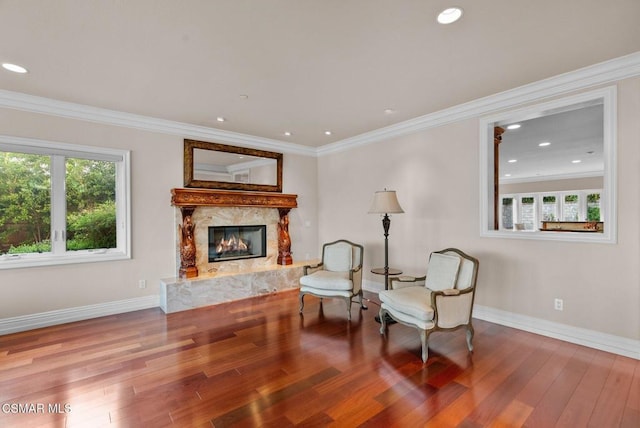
(450,15)
(14,67)
(287,133)
(512,160)
(327,132)
(576,161)
(544,144)
(220,119)
(389,111)
(514,126)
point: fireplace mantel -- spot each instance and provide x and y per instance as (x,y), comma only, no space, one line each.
(189,199)
(229,198)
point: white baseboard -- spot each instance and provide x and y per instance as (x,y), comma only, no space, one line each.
(580,336)
(62,316)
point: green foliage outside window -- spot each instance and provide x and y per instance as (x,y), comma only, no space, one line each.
(25,200)
(93,228)
(593,207)
(91,208)
(25,203)
(593,198)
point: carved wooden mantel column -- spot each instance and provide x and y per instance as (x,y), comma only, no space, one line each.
(284,241)
(189,199)
(186,231)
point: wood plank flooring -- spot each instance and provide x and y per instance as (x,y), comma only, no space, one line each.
(257,362)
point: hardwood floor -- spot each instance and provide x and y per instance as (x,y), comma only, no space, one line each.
(257,362)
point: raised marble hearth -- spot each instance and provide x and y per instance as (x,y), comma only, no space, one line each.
(178,294)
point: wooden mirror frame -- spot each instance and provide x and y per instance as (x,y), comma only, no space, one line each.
(189,181)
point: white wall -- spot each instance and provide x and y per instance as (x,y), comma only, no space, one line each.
(300,177)
(156,167)
(435,173)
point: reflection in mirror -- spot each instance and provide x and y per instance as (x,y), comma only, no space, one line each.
(219,166)
(230,167)
(549,169)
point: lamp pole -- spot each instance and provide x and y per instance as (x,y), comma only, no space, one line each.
(386,222)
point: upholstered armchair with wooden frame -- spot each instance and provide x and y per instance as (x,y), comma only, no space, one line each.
(439,301)
(339,274)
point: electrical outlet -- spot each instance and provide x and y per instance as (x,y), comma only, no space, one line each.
(558,304)
(142,283)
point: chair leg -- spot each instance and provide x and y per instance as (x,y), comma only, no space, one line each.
(362,305)
(301,298)
(424,339)
(470,333)
(383,317)
(348,308)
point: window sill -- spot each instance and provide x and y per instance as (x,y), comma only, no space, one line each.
(17,261)
(566,236)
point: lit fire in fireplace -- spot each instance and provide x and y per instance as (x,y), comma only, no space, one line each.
(232,244)
(237,242)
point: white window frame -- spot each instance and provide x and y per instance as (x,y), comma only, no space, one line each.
(58,151)
(608,200)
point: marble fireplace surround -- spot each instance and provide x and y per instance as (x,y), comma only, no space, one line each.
(200,283)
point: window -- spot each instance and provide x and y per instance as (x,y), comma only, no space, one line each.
(526,212)
(593,207)
(570,208)
(549,208)
(508,213)
(62,203)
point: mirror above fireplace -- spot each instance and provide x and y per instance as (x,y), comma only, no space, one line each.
(219,166)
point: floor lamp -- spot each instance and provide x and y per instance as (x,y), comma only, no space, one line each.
(386,202)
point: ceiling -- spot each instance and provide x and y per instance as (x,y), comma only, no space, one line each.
(573,146)
(303,66)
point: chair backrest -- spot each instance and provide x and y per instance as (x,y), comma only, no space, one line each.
(451,268)
(341,256)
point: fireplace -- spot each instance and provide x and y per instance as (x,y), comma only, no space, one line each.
(237,242)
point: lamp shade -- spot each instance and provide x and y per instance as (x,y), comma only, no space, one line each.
(385,202)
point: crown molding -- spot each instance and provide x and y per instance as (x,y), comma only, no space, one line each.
(48,106)
(554,177)
(598,74)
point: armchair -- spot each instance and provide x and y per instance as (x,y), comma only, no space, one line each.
(439,301)
(339,274)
